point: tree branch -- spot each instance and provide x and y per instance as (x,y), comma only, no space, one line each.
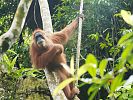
(8,38)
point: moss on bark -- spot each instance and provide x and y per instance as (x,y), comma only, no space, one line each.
(33,89)
(30,88)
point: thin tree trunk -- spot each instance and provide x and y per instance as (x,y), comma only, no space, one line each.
(46,17)
(52,78)
(79,39)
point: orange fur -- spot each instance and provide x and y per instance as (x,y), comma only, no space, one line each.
(52,56)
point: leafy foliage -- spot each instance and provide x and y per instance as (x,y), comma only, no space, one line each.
(7,10)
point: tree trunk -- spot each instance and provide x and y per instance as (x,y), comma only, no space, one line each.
(46,17)
(52,78)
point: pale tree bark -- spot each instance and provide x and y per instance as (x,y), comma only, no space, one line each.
(52,78)
(8,38)
(46,17)
(79,38)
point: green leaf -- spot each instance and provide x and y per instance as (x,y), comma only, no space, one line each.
(62,85)
(83,69)
(6,59)
(103,45)
(13,62)
(107,37)
(116,82)
(102,66)
(11,51)
(124,38)
(130,59)
(126,15)
(96,80)
(92,70)
(93,94)
(72,65)
(91,59)
(97,36)
(126,52)
(127,42)
(92,62)
(7,62)
(94,89)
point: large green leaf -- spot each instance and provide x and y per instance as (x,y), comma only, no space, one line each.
(83,69)
(92,70)
(92,62)
(91,59)
(117,81)
(72,65)
(102,66)
(130,59)
(124,38)
(93,94)
(93,89)
(126,15)
(63,84)
(127,51)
